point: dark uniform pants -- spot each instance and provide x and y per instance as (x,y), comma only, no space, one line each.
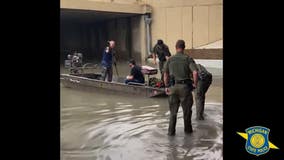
(180,94)
(107,72)
(161,66)
(133,80)
(199,94)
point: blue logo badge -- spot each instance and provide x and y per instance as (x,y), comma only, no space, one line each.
(257,141)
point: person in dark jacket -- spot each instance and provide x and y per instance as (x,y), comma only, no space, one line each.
(108,60)
(162,51)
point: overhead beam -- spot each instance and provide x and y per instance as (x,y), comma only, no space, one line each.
(205,53)
(105,7)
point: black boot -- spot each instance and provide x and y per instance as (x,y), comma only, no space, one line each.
(188,130)
(171,133)
(200,117)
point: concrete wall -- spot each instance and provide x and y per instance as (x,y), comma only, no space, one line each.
(198,22)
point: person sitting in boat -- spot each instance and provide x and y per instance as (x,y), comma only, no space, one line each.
(136,75)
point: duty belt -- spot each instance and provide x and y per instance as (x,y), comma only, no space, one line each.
(183,81)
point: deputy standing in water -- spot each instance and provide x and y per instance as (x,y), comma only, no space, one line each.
(180,76)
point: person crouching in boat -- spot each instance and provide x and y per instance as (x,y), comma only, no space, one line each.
(136,74)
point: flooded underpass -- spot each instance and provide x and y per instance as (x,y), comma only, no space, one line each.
(99,125)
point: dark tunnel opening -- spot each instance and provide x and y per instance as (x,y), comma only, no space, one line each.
(87,32)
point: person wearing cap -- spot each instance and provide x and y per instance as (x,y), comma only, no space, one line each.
(181,77)
(162,51)
(204,82)
(108,60)
(136,74)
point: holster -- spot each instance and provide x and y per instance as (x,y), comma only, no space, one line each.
(172,80)
(188,82)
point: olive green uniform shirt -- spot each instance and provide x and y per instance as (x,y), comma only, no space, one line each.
(180,66)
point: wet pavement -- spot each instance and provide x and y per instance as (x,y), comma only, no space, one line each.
(103,126)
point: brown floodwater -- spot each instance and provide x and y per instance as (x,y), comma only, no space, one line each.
(97,125)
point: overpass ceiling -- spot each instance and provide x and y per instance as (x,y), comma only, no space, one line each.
(90,16)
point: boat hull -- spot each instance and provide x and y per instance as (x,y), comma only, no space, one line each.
(90,81)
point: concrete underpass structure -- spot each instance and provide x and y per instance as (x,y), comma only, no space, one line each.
(86,25)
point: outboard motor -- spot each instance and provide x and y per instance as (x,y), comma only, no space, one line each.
(74,62)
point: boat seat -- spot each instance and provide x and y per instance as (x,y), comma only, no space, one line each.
(148,70)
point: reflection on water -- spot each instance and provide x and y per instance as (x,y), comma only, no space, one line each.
(103,126)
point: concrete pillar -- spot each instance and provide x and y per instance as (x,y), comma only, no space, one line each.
(143,42)
(148,21)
